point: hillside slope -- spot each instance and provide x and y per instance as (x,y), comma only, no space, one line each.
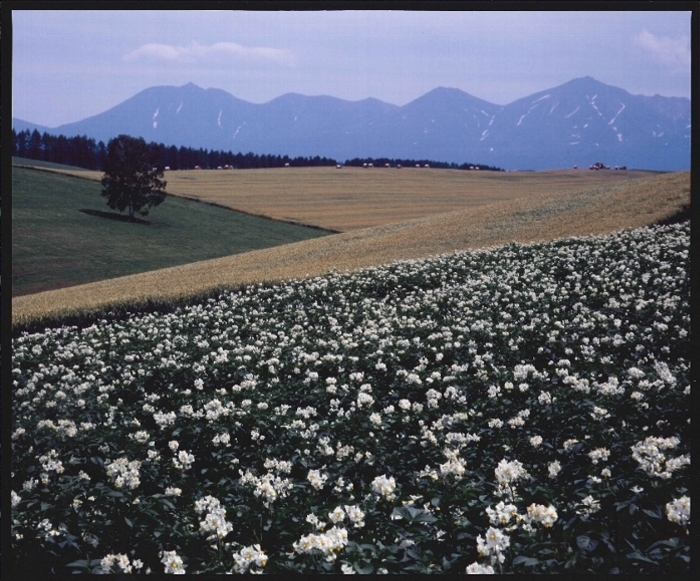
(538,218)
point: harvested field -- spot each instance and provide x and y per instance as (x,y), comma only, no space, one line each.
(539,216)
(355,198)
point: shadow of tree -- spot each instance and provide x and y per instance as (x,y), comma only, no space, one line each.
(114,216)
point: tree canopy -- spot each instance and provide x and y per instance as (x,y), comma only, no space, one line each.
(131,179)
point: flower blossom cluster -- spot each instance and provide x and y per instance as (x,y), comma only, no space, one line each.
(173,563)
(214,524)
(119,564)
(249,560)
(651,458)
(124,474)
(329,543)
(678,510)
(384,487)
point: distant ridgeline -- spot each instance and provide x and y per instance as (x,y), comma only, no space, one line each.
(386,162)
(81,151)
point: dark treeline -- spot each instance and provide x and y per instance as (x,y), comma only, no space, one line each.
(86,153)
(77,151)
(383,161)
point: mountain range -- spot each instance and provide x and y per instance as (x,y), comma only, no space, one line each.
(578,123)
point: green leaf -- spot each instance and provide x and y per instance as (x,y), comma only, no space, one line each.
(363,569)
(527,561)
(637,556)
(79,563)
(586,543)
(652,513)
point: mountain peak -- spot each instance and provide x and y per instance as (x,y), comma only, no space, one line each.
(576,123)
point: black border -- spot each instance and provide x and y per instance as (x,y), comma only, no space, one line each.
(6,9)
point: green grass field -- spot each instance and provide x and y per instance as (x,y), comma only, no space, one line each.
(64,234)
(25,161)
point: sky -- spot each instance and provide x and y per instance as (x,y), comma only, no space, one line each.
(69,65)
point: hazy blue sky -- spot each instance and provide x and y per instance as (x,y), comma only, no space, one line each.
(68,65)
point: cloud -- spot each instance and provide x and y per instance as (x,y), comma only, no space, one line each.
(219,53)
(674,52)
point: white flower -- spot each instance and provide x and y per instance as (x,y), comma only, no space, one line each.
(115,564)
(651,458)
(507,472)
(214,523)
(173,563)
(535,441)
(364,399)
(476,569)
(502,513)
(384,486)
(163,420)
(124,473)
(329,543)
(678,511)
(599,454)
(183,460)
(569,444)
(337,515)
(356,516)
(554,468)
(317,479)
(588,506)
(541,514)
(544,398)
(493,545)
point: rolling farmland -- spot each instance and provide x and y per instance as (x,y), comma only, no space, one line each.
(538,217)
(355,198)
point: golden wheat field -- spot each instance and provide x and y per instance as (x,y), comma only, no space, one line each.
(535,210)
(353,198)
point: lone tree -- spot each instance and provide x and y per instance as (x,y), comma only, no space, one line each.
(131,179)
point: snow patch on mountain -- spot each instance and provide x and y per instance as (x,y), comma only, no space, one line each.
(617,114)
